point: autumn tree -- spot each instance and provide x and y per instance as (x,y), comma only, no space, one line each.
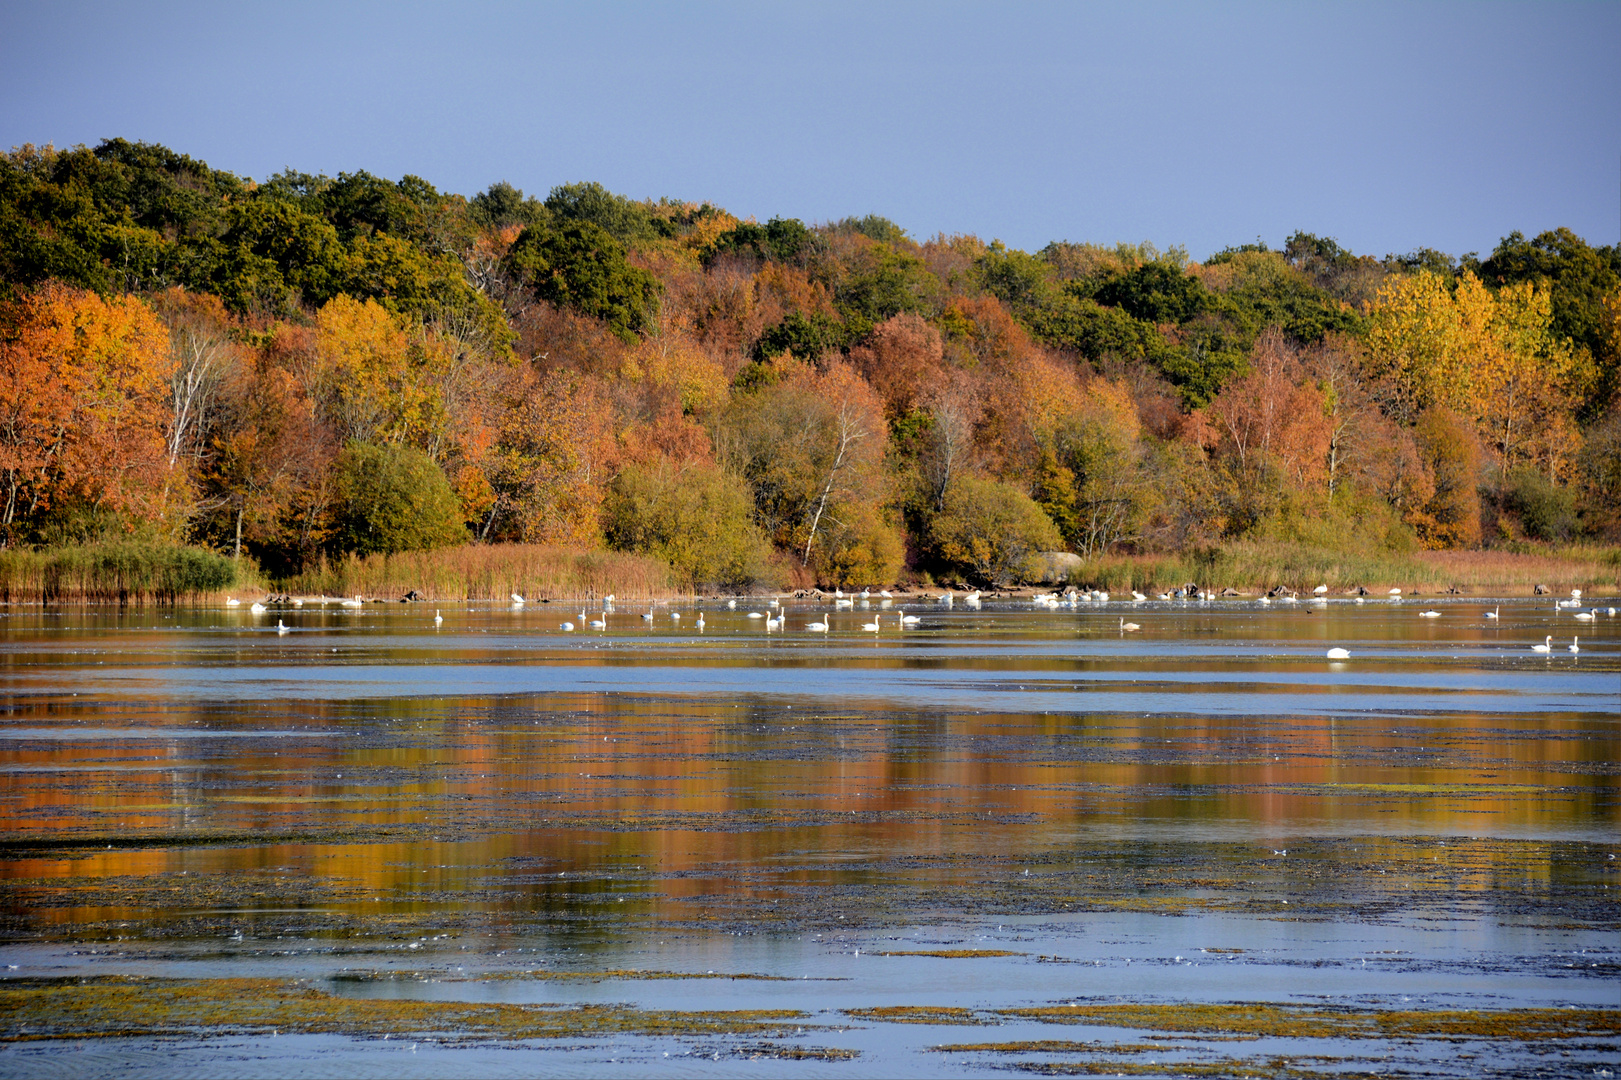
(83,396)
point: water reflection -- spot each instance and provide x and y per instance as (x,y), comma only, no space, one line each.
(192,778)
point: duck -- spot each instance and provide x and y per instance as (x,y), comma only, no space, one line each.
(1546,646)
(1339,654)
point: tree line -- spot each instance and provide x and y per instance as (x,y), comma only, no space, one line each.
(310,366)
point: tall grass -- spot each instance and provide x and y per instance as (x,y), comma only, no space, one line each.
(1252,566)
(116,573)
(488,572)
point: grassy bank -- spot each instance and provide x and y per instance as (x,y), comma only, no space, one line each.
(113,573)
(493,572)
(1257,566)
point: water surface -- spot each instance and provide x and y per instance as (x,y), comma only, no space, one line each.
(496,810)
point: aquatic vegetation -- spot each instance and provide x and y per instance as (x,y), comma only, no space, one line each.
(122,1006)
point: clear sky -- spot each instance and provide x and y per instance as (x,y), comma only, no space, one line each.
(1387,126)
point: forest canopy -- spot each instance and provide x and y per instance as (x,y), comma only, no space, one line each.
(309,365)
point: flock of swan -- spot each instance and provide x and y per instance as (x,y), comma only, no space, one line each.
(775,619)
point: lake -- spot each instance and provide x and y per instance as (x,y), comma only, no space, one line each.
(1009,837)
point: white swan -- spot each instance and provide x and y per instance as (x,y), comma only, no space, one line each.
(1264,600)
(566,627)
(1431,614)
(282,631)
(1128,627)
(257,608)
(817,628)
(700,622)
(1339,654)
(909,620)
(755,615)
(1573,646)
(1492,614)
(353,602)
(1586,616)
(438,619)
(231,601)
(517,600)
(598,624)
(872,627)
(1546,646)
(1320,590)
(731,605)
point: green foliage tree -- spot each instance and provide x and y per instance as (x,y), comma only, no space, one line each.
(699,519)
(392,498)
(990,530)
(583,267)
(783,239)
(629,222)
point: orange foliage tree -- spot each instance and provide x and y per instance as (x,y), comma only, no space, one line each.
(83,387)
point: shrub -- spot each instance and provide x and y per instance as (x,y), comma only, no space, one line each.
(698,519)
(1547,512)
(393,498)
(990,530)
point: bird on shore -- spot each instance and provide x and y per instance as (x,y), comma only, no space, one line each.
(1128,627)
(1320,590)
(1339,654)
(1546,646)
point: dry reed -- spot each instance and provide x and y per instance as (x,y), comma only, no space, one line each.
(488,572)
(1256,566)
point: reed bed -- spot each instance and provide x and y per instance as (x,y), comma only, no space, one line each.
(488,572)
(1259,566)
(113,573)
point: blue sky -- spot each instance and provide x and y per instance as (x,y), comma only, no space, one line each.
(1387,126)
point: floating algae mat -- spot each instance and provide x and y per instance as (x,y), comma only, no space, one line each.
(1010,839)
